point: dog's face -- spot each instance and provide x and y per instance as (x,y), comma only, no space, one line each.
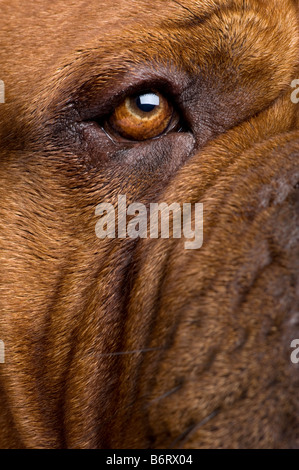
(122,342)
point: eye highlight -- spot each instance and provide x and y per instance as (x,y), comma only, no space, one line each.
(142,117)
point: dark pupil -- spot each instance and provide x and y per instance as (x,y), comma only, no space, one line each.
(148,102)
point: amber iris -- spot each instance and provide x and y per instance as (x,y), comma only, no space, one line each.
(142,116)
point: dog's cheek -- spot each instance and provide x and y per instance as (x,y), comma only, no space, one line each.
(97,163)
(60,244)
(217,332)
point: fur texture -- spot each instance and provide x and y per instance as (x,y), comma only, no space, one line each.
(204,335)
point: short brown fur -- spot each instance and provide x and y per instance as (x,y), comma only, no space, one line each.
(213,326)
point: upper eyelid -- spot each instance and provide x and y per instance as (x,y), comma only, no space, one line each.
(119,98)
(94,98)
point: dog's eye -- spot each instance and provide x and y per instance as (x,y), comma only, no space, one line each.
(142,117)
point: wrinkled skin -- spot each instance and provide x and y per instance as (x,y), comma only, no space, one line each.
(204,334)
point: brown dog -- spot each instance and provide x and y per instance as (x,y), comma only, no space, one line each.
(138,343)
